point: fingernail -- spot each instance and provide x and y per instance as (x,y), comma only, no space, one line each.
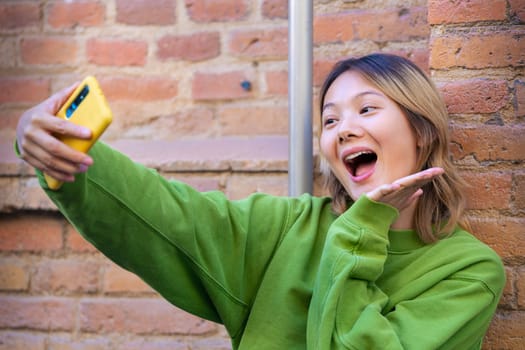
(82,168)
(88,161)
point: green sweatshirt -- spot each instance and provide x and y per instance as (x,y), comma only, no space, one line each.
(286,273)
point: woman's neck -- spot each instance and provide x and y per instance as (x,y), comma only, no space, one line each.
(405,220)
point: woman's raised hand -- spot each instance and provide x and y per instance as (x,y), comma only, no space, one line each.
(38,145)
(403,192)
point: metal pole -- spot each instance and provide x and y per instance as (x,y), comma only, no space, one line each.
(300,158)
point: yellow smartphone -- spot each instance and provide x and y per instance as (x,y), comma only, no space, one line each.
(88,107)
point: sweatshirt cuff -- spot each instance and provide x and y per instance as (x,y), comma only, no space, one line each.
(369,213)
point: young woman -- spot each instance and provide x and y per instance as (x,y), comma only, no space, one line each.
(382,264)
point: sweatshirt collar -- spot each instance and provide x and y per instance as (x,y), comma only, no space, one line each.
(404,241)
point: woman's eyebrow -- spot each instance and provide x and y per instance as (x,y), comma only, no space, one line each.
(356,96)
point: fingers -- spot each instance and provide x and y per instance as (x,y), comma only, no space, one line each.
(405,191)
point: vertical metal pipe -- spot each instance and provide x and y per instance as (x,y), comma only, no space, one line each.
(300,158)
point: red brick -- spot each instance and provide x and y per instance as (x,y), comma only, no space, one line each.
(494,185)
(117,52)
(520,287)
(460,11)
(66,276)
(22,341)
(519,98)
(38,313)
(48,50)
(259,44)
(488,50)
(417,56)
(118,280)
(67,14)
(24,90)
(269,120)
(146,12)
(321,68)
(205,87)
(139,89)
(242,185)
(18,15)
(508,298)
(489,142)
(277,83)
(393,24)
(30,233)
(216,10)
(72,341)
(139,316)
(13,276)
(475,96)
(9,50)
(517,9)
(519,191)
(275,8)
(507,331)
(503,234)
(337,27)
(194,47)
(76,243)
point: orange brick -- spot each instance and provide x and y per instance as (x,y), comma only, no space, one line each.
(139,89)
(503,234)
(216,10)
(66,276)
(194,47)
(67,14)
(48,50)
(146,12)
(489,142)
(487,50)
(269,120)
(460,11)
(13,277)
(38,313)
(205,87)
(118,280)
(475,95)
(30,233)
(260,44)
(275,8)
(24,89)
(115,52)
(494,185)
(138,315)
(19,15)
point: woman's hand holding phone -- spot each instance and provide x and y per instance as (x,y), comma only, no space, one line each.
(38,142)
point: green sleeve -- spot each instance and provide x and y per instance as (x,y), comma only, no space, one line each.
(192,247)
(348,309)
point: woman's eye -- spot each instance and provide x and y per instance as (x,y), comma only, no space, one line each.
(367,109)
(328,121)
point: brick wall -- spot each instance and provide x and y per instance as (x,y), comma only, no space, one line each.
(159,62)
(477,55)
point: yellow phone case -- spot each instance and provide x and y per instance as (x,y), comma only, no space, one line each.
(88,107)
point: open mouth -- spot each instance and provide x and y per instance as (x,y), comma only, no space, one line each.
(360,163)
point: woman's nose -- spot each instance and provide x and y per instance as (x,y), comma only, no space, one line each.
(348,128)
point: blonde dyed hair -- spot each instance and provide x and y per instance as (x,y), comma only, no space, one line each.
(440,209)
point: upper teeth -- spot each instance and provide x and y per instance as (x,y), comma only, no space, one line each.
(355,155)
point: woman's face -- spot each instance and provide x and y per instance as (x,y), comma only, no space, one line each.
(366,138)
